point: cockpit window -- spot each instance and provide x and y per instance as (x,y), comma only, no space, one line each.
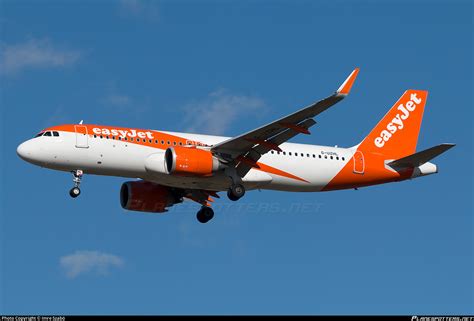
(49,134)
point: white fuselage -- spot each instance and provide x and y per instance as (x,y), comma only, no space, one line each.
(300,167)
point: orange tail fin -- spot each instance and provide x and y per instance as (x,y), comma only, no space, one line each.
(396,135)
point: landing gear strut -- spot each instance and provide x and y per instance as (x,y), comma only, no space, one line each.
(205,214)
(76,178)
(235,192)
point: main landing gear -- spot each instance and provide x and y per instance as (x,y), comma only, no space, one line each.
(205,214)
(76,178)
(235,192)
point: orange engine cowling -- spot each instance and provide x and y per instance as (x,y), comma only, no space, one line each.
(191,161)
(145,196)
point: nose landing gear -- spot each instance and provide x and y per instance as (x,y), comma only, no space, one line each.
(76,178)
(75,192)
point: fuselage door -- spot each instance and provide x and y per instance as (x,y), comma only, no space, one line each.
(81,136)
(359,162)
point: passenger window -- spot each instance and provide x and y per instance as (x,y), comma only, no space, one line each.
(302,155)
(169,143)
(131,139)
(319,156)
(307,155)
(120,138)
(325,156)
(174,143)
(331,157)
(55,134)
(162,142)
(289,153)
(314,156)
(337,157)
(271,152)
(47,134)
(343,158)
(284,153)
(150,141)
(180,143)
(125,138)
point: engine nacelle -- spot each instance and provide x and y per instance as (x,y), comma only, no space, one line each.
(145,196)
(155,163)
(191,161)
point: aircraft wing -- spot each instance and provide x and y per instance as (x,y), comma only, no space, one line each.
(247,148)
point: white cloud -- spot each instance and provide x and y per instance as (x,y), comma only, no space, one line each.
(146,9)
(34,54)
(81,262)
(216,113)
(117,100)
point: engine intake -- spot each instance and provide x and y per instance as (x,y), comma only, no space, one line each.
(145,196)
(191,161)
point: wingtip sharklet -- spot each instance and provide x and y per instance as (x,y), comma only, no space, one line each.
(346,86)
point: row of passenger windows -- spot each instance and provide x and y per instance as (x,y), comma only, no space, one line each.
(181,144)
(308,155)
(138,140)
(55,134)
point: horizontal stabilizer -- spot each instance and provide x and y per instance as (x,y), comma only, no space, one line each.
(422,157)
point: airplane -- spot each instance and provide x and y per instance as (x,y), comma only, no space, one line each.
(171,166)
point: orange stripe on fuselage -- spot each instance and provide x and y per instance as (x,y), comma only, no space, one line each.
(144,139)
(272,170)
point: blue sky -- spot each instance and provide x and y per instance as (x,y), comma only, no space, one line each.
(226,67)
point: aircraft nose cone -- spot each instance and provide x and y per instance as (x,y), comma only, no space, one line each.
(22,150)
(32,153)
(25,151)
